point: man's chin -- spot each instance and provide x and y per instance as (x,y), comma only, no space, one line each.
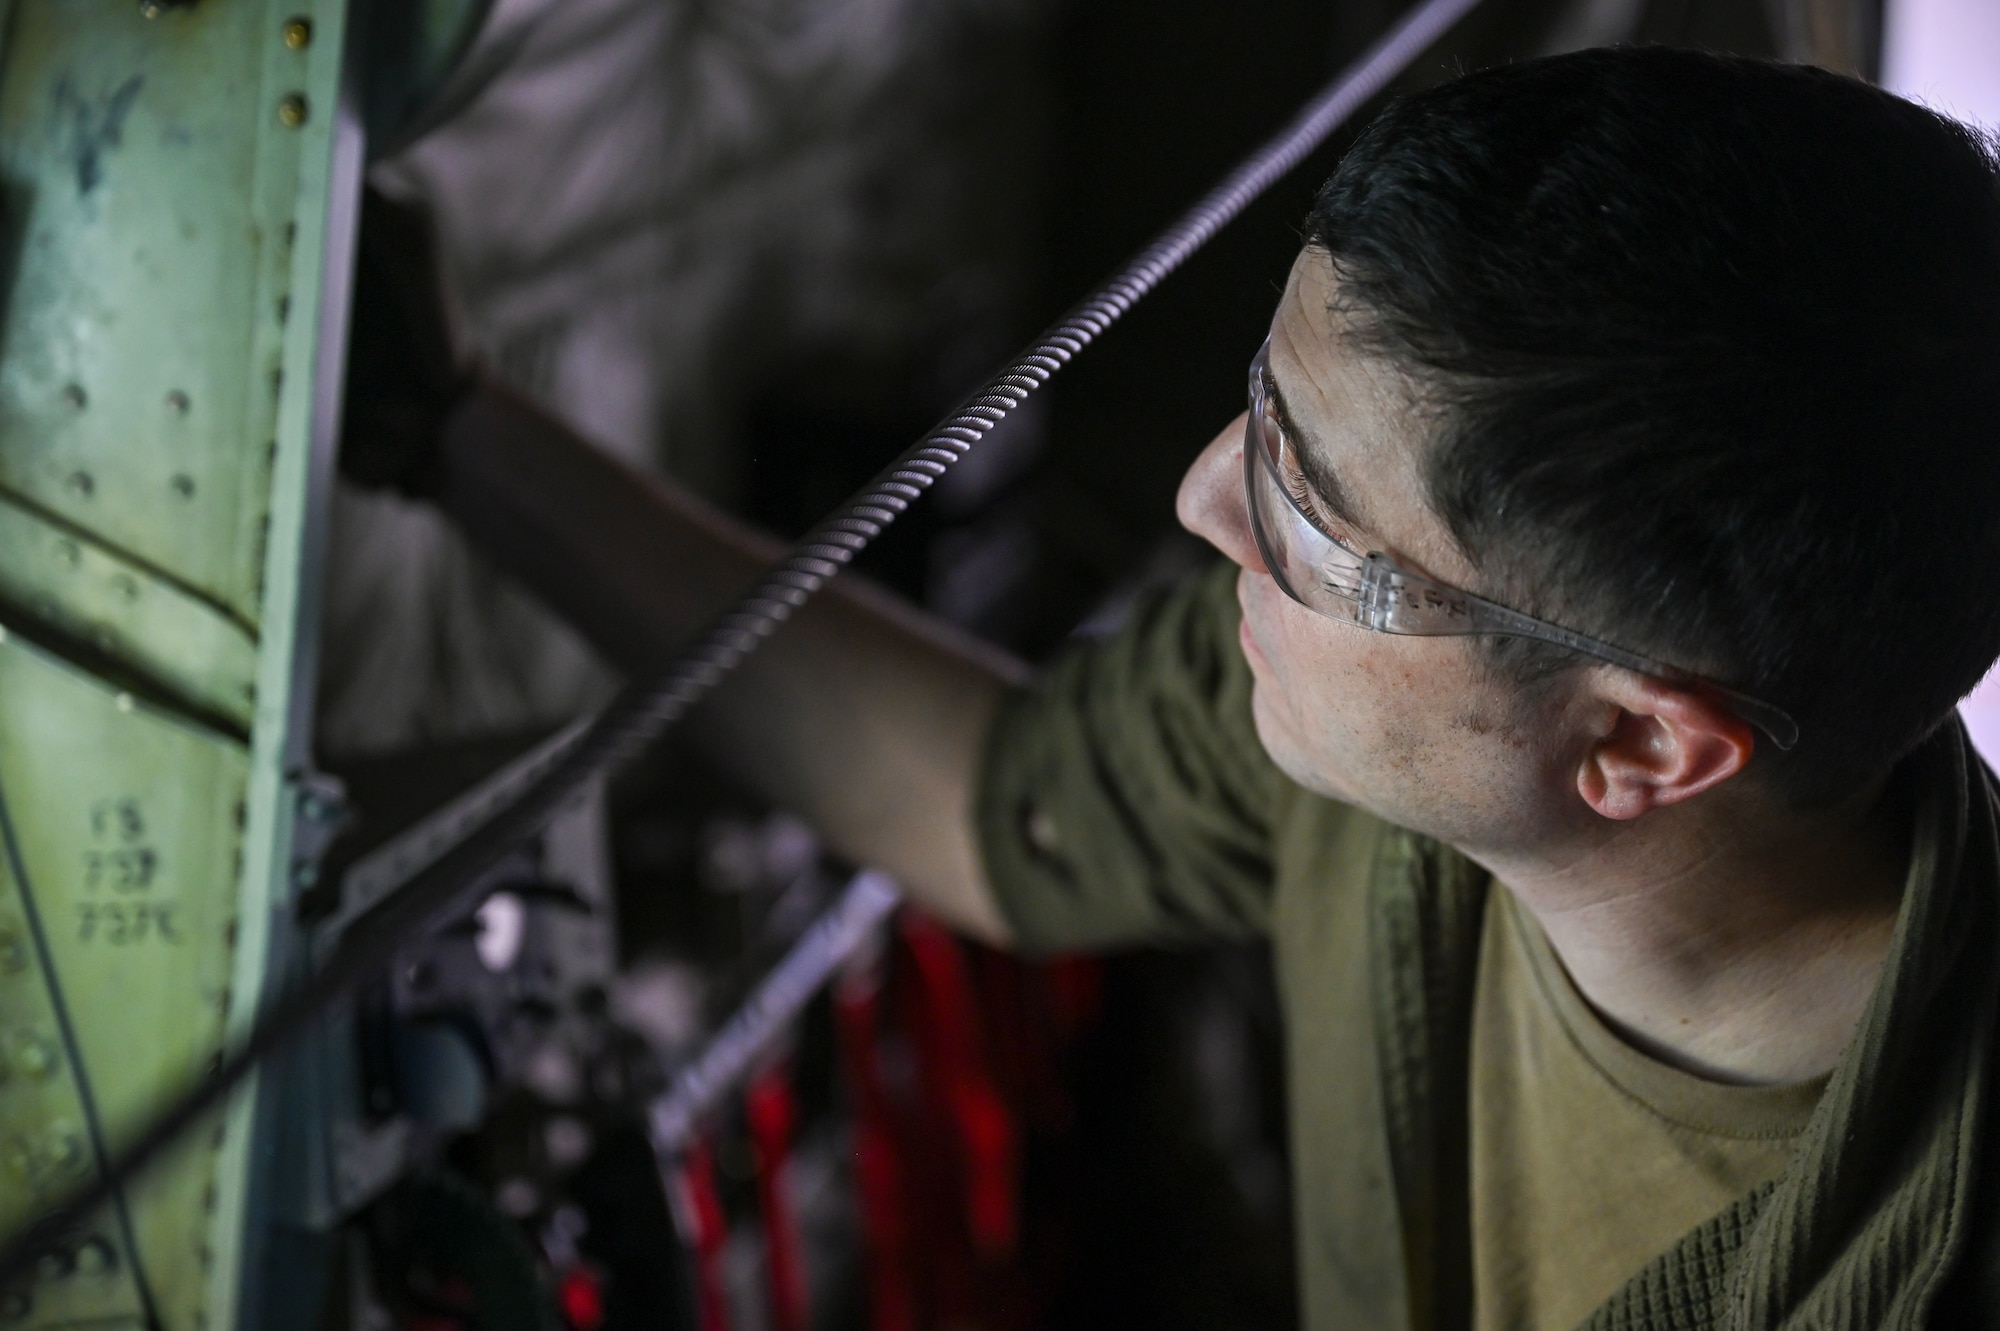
(1282,746)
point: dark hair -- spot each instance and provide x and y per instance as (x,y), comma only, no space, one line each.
(1717,344)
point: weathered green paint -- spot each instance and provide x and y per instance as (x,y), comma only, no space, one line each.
(164,377)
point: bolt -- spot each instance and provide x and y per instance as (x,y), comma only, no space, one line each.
(298,33)
(292,111)
(177,402)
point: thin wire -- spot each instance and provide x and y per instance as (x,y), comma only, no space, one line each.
(645,709)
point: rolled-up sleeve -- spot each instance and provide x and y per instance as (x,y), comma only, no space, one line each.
(1125,798)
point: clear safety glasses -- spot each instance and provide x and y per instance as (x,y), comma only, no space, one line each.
(1321,568)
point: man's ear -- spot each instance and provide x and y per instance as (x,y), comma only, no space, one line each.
(1665,744)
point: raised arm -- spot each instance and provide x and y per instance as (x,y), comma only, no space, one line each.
(863,716)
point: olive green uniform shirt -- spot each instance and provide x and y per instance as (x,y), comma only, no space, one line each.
(1126,799)
(1588,1157)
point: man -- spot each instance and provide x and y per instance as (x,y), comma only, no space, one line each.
(1632,893)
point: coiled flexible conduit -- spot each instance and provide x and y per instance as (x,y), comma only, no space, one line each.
(648,707)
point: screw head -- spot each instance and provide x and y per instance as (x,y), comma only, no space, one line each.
(292,111)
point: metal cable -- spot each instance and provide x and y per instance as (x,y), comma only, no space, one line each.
(834,938)
(645,709)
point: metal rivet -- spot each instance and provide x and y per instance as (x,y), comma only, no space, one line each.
(34,1056)
(183,486)
(125,585)
(68,552)
(94,1257)
(82,483)
(123,702)
(298,33)
(292,111)
(177,402)
(65,1148)
(54,1265)
(74,396)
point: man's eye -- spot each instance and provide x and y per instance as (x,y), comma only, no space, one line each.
(1302,496)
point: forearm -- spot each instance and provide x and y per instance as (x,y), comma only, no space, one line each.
(862,715)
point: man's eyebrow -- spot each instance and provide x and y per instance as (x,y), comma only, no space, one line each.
(1326,486)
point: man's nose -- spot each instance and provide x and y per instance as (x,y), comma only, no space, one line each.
(1211,500)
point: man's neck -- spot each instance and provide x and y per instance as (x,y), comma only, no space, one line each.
(1721,939)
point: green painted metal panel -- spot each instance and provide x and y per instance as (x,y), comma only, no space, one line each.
(177,185)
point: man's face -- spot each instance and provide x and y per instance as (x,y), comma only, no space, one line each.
(1412,729)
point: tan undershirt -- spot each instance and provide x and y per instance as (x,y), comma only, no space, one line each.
(1588,1157)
